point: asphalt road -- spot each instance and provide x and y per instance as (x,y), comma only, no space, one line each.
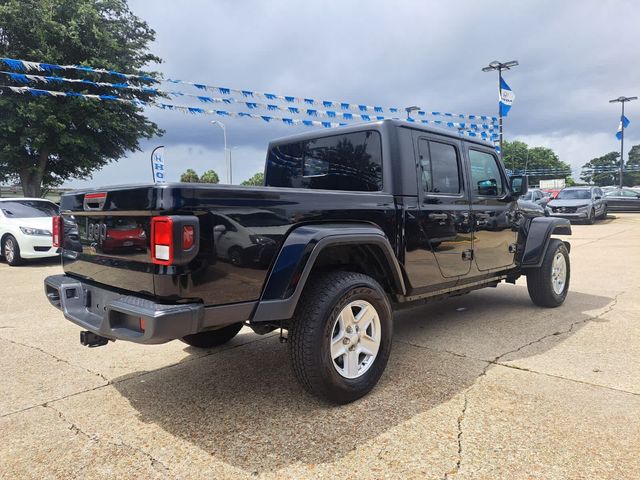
(480,386)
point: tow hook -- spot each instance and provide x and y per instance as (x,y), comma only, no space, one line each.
(90,339)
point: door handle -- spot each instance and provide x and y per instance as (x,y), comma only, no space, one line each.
(438,216)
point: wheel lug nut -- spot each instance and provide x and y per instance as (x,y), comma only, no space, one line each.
(349,329)
(345,341)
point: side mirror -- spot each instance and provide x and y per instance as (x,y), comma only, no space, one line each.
(519,185)
(219,229)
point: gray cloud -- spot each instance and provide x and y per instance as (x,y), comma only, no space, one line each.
(574,56)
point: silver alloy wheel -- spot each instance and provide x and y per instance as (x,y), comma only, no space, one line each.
(355,339)
(9,250)
(558,273)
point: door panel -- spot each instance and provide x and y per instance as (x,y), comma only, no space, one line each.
(495,234)
(444,214)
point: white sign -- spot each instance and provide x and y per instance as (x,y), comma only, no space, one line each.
(554,184)
(157,165)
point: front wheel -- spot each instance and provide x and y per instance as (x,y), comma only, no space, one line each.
(11,251)
(548,284)
(591,217)
(213,338)
(605,211)
(340,336)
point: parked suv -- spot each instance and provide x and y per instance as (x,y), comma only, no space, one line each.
(579,203)
(353,223)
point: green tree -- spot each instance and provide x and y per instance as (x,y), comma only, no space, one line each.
(609,162)
(517,155)
(189,176)
(633,178)
(257,180)
(210,176)
(45,141)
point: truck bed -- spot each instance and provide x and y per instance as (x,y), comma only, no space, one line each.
(241,231)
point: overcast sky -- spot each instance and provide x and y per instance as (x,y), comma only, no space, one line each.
(574,56)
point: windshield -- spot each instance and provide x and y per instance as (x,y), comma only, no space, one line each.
(28,209)
(574,194)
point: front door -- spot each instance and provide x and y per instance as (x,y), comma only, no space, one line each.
(494,212)
(444,215)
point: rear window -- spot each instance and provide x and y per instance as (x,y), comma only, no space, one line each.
(351,161)
(28,209)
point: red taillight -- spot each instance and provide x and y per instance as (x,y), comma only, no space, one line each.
(56,231)
(162,240)
(187,237)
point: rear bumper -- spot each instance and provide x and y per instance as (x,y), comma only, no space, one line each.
(115,315)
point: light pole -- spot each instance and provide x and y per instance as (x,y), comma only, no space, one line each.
(224,134)
(622,100)
(411,109)
(499,66)
(231,166)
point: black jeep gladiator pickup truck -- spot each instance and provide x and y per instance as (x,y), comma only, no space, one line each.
(352,223)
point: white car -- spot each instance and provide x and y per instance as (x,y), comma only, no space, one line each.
(25,229)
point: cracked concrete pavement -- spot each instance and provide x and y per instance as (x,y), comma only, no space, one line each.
(480,386)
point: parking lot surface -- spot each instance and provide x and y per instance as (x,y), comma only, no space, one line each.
(480,386)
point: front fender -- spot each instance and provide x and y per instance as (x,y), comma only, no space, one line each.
(537,237)
(297,256)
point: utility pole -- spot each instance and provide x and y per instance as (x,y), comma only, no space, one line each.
(622,100)
(500,66)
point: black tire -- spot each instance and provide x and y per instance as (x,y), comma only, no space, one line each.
(313,326)
(213,338)
(11,251)
(540,282)
(591,217)
(236,257)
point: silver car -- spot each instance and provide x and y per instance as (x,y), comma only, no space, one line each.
(579,203)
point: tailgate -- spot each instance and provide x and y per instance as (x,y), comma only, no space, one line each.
(106,237)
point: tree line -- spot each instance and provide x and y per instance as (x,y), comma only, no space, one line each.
(517,155)
(211,176)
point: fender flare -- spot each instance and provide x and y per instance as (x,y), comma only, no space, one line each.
(298,255)
(538,236)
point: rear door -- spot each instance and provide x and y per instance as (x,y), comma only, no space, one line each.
(494,213)
(444,214)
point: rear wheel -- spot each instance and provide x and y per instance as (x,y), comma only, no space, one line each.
(213,338)
(11,251)
(548,284)
(340,336)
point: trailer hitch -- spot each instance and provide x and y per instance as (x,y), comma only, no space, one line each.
(90,339)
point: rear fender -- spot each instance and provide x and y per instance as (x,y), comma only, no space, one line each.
(298,255)
(538,236)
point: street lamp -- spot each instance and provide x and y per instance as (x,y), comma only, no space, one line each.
(499,66)
(411,109)
(622,100)
(224,134)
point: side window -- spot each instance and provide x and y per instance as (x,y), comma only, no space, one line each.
(486,180)
(439,166)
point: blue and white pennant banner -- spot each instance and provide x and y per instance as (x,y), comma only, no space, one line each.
(311,112)
(25,66)
(221,113)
